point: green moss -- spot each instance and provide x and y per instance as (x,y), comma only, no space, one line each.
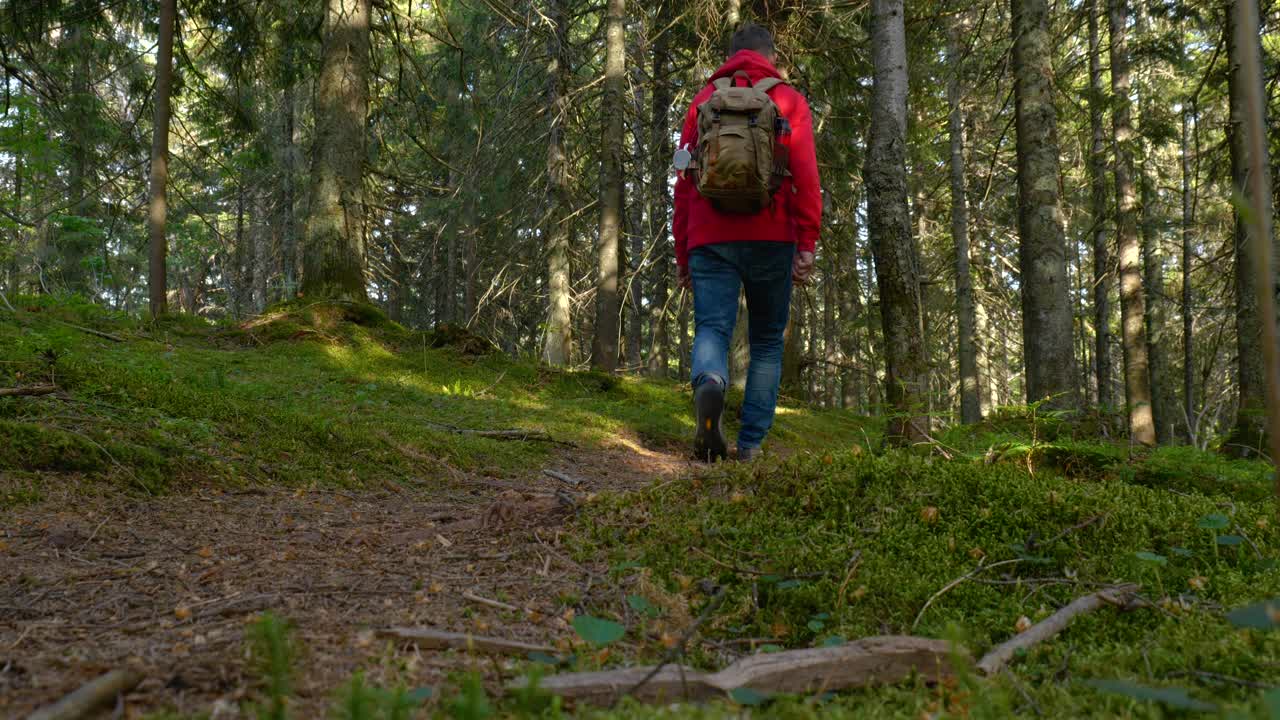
(780,538)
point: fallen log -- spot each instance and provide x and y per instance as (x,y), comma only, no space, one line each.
(90,697)
(860,663)
(28,390)
(564,478)
(433,639)
(994,661)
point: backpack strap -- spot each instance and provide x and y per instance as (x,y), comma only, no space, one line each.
(768,84)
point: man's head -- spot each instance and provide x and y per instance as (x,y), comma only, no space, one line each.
(753,37)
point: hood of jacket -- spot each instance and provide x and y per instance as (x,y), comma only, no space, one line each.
(756,66)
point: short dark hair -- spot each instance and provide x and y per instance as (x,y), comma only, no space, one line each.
(752,37)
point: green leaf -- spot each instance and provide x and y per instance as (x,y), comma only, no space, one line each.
(1230,540)
(816,625)
(770,648)
(748,697)
(1258,616)
(543,658)
(789,584)
(833,641)
(1172,697)
(1214,521)
(639,603)
(1182,552)
(597,631)
(1151,557)
(419,695)
(1271,699)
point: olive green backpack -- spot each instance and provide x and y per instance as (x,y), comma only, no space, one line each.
(740,163)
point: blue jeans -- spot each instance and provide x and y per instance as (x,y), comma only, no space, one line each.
(763,269)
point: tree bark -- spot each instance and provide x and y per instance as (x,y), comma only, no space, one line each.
(334,233)
(889,226)
(1248,436)
(1188,317)
(1098,208)
(1048,350)
(1163,403)
(660,149)
(289,232)
(966,320)
(604,351)
(157,204)
(1133,308)
(559,339)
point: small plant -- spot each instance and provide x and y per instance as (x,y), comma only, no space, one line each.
(472,703)
(1212,523)
(1157,561)
(273,651)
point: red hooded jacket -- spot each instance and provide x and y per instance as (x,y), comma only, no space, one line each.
(796,213)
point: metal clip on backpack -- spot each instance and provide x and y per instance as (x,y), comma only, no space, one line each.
(739,162)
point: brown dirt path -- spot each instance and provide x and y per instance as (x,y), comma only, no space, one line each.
(167,585)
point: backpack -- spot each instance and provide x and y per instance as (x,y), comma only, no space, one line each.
(739,162)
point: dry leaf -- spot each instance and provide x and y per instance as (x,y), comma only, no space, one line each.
(860,593)
(1198,582)
(182,612)
(444,541)
(1023,624)
(977,553)
(929,515)
(205,552)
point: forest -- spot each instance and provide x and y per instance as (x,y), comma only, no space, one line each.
(342,345)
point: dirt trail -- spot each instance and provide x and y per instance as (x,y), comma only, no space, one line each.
(166,585)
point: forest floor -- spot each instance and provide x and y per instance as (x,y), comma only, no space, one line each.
(320,464)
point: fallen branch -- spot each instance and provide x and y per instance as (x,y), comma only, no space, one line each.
(91,696)
(91,331)
(994,661)
(468,595)
(566,479)
(861,663)
(443,640)
(29,390)
(516,434)
(947,588)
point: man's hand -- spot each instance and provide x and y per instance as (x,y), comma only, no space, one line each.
(802,268)
(684,278)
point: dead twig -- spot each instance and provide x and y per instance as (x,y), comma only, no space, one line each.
(468,595)
(90,697)
(433,639)
(566,479)
(91,331)
(29,390)
(947,588)
(994,661)
(678,649)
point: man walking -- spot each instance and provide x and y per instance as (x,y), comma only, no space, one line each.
(747,216)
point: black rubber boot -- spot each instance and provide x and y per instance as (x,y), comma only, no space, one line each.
(708,403)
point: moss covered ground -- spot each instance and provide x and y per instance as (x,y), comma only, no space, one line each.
(831,538)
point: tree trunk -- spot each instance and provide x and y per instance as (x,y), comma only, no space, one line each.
(850,293)
(157,204)
(334,232)
(604,351)
(1048,350)
(889,226)
(289,232)
(636,226)
(966,320)
(660,149)
(1132,302)
(239,291)
(1098,209)
(1163,403)
(1248,436)
(1188,317)
(74,243)
(830,350)
(559,338)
